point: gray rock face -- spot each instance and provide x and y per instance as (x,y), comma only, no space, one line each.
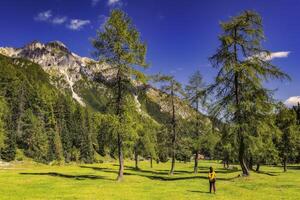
(57,60)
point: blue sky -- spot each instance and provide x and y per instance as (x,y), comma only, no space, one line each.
(181,34)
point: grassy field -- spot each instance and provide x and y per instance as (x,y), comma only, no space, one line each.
(97,181)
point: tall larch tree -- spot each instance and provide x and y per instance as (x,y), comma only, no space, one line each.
(119,45)
(243,66)
(173,90)
(195,95)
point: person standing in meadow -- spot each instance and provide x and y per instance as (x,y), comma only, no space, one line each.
(212,179)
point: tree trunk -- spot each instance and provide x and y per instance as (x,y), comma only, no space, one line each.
(196,163)
(251,163)
(173,163)
(136,158)
(151,162)
(242,157)
(198,135)
(119,114)
(174,133)
(121,159)
(237,114)
(257,167)
(285,165)
(227,164)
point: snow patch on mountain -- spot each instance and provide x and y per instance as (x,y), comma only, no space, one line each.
(137,103)
(71,83)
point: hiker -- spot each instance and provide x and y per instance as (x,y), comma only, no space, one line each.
(212,179)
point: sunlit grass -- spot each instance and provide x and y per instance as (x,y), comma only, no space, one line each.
(97,181)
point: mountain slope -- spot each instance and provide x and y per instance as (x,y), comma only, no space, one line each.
(75,75)
(59,105)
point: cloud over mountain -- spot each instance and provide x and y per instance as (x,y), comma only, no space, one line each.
(59,20)
(43,16)
(73,24)
(292,101)
(77,24)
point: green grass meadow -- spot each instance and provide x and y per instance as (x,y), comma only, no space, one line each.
(97,181)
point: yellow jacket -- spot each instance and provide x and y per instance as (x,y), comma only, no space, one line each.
(212,176)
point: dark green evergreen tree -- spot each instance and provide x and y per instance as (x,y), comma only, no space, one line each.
(35,138)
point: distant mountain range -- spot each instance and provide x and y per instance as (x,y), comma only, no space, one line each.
(76,75)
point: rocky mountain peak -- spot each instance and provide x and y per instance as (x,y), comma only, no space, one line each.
(58,61)
(57,45)
(33,45)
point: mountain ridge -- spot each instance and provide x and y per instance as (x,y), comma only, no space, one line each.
(71,72)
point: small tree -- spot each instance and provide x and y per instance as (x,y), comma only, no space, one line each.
(120,46)
(225,146)
(287,123)
(146,141)
(297,110)
(262,149)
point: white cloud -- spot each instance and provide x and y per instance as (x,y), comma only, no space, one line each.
(292,101)
(95,2)
(272,55)
(77,24)
(73,24)
(114,2)
(59,20)
(47,16)
(43,16)
(279,54)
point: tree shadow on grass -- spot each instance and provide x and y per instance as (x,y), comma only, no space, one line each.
(76,177)
(149,174)
(148,171)
(225,171)
(199,191)
(267,173)
(293,167)
(172,178)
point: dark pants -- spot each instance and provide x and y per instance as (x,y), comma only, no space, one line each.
(212,184)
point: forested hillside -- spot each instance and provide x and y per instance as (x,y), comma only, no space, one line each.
(43,121)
